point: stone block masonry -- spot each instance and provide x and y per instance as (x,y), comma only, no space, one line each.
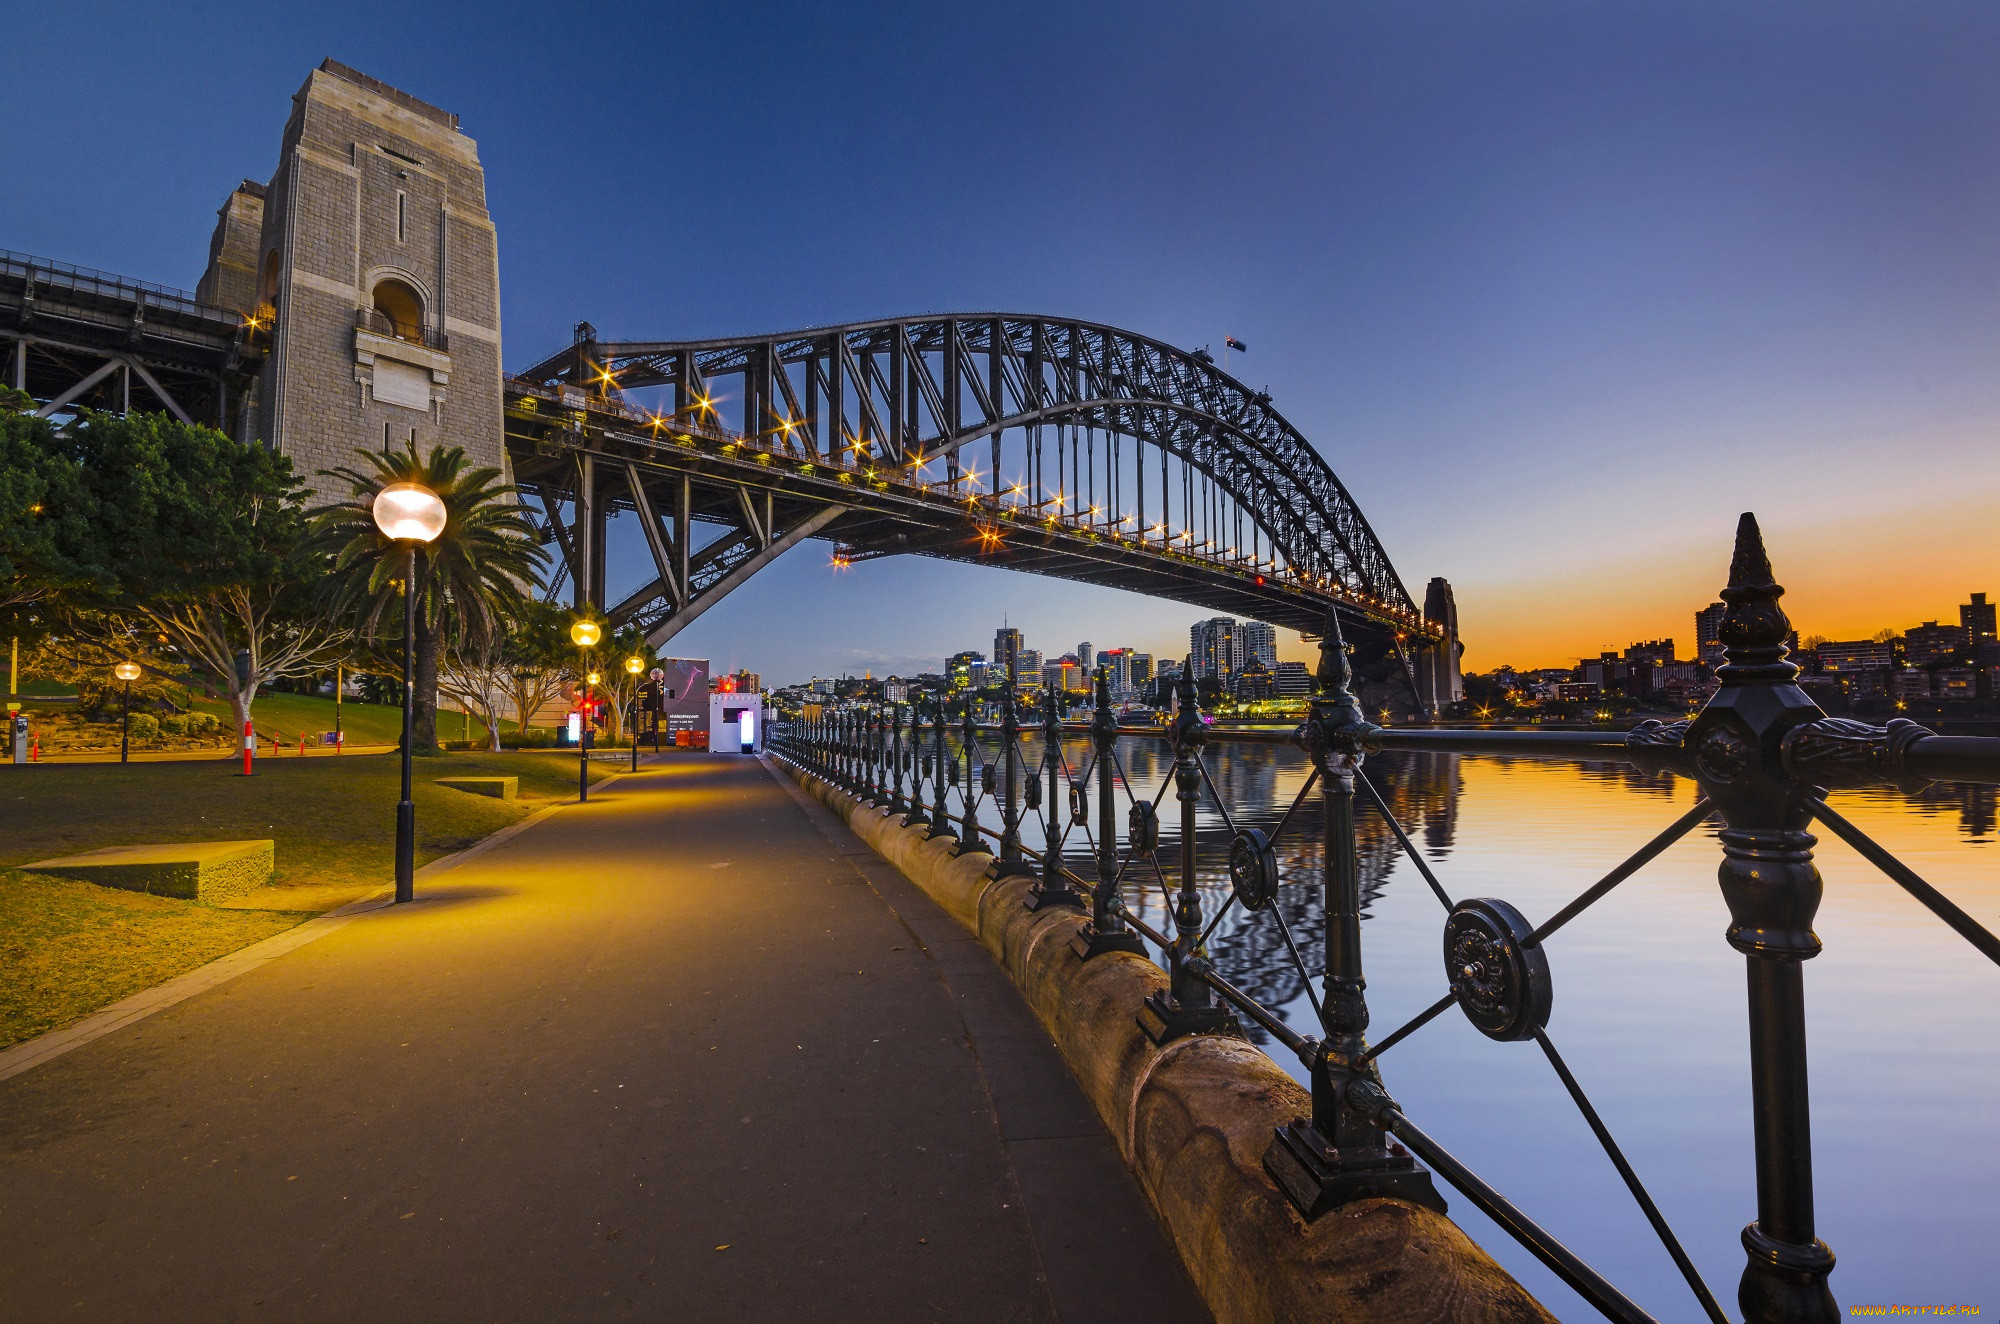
(204,871)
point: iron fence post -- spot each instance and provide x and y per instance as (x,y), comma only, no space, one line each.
(1339,1155)
(896,805)
(940,825)
(1106,931)
(1187,1005)
(1011,860)
(1772,888)
(919,815)
(1054,888)
(969,825)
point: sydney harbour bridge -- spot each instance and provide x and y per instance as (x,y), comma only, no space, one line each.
(1047,445)
(1041,444)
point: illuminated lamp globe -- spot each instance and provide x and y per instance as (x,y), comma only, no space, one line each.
(126,671)
(409,513)
(585,634)
(635,665)
(593,678)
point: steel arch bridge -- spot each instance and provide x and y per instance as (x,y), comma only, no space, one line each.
(1042,444)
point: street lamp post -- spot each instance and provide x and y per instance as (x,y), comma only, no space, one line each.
(584,634)
(127,672)
(659,679)
(633,666)
(409,515)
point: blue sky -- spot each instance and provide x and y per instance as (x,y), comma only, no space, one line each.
(1557,288)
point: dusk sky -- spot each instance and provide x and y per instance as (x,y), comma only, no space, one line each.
(1558,289)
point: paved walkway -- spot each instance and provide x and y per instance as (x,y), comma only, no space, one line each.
(689,1052)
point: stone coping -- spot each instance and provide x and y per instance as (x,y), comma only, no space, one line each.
(1192,1119)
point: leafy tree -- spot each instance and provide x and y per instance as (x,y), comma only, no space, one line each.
(617,685)
(48,540)
(536,656)
(210,550)
(470,579)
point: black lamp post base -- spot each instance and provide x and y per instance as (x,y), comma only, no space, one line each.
(1015,869)
(1165,1020)
(1316,1177)
(1785,1280)
(406,850)
(1089,942)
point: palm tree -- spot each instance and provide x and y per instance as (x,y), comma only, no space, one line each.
(470,580)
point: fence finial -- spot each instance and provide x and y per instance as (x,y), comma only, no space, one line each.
(1755,628)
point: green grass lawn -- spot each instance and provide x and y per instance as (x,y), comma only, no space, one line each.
(67,948)
(361,723)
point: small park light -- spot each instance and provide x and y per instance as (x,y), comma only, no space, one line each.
(126,671)
(585,634)
(593,679)
(635,665)
(409,513)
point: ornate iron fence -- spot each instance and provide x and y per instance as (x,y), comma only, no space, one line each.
(1763,755)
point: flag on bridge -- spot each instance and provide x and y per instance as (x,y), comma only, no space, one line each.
(1234,343)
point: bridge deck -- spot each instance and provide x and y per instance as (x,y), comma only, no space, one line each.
(695,1013)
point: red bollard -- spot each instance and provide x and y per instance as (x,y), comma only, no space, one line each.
(302,744)
(35,747)
(249,749)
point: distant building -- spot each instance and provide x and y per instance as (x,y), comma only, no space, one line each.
(1909,683)
(1977,618)
(1117,664)
(1255,682)
(1260,644)
(1653,650)
(1852,655)
(822,685)
(1215,647)
(1006,644)
(895,690)
(749,682)
(1708,633)
(1931,642)
(1084,657)
(1141,665)
(1029,664)
(1294,681)
(958,668)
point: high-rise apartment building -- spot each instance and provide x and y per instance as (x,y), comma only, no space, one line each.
(1215,647)
(1294,681)
(1260,644)
(1708,633)
(1028,661)
(1930,641)
(1140,666)
(1977,616)
(1006,644)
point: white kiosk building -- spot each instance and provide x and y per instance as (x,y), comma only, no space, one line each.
(735,723)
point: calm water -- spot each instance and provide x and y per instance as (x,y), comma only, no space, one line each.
(1650,1013)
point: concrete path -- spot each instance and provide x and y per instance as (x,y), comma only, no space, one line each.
(689,1052)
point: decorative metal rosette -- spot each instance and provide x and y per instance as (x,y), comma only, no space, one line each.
(1502,982)
(1079,803)
(989,777)
(1031,793)
(1253,869)
(1142,828)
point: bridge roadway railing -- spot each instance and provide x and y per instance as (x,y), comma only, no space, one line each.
(997,511)
(1763,756)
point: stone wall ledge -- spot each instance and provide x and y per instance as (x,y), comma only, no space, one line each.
(1192,1120)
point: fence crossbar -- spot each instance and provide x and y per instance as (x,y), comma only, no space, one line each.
(1408,1028)
(1935,901)
(1560,1259)
(1673,832)
(1255,1010)
(1632,1182)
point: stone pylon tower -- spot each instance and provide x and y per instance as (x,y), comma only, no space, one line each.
(370,263)
(1439,677)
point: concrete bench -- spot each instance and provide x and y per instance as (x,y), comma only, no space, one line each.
(500,788)
(206,871)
